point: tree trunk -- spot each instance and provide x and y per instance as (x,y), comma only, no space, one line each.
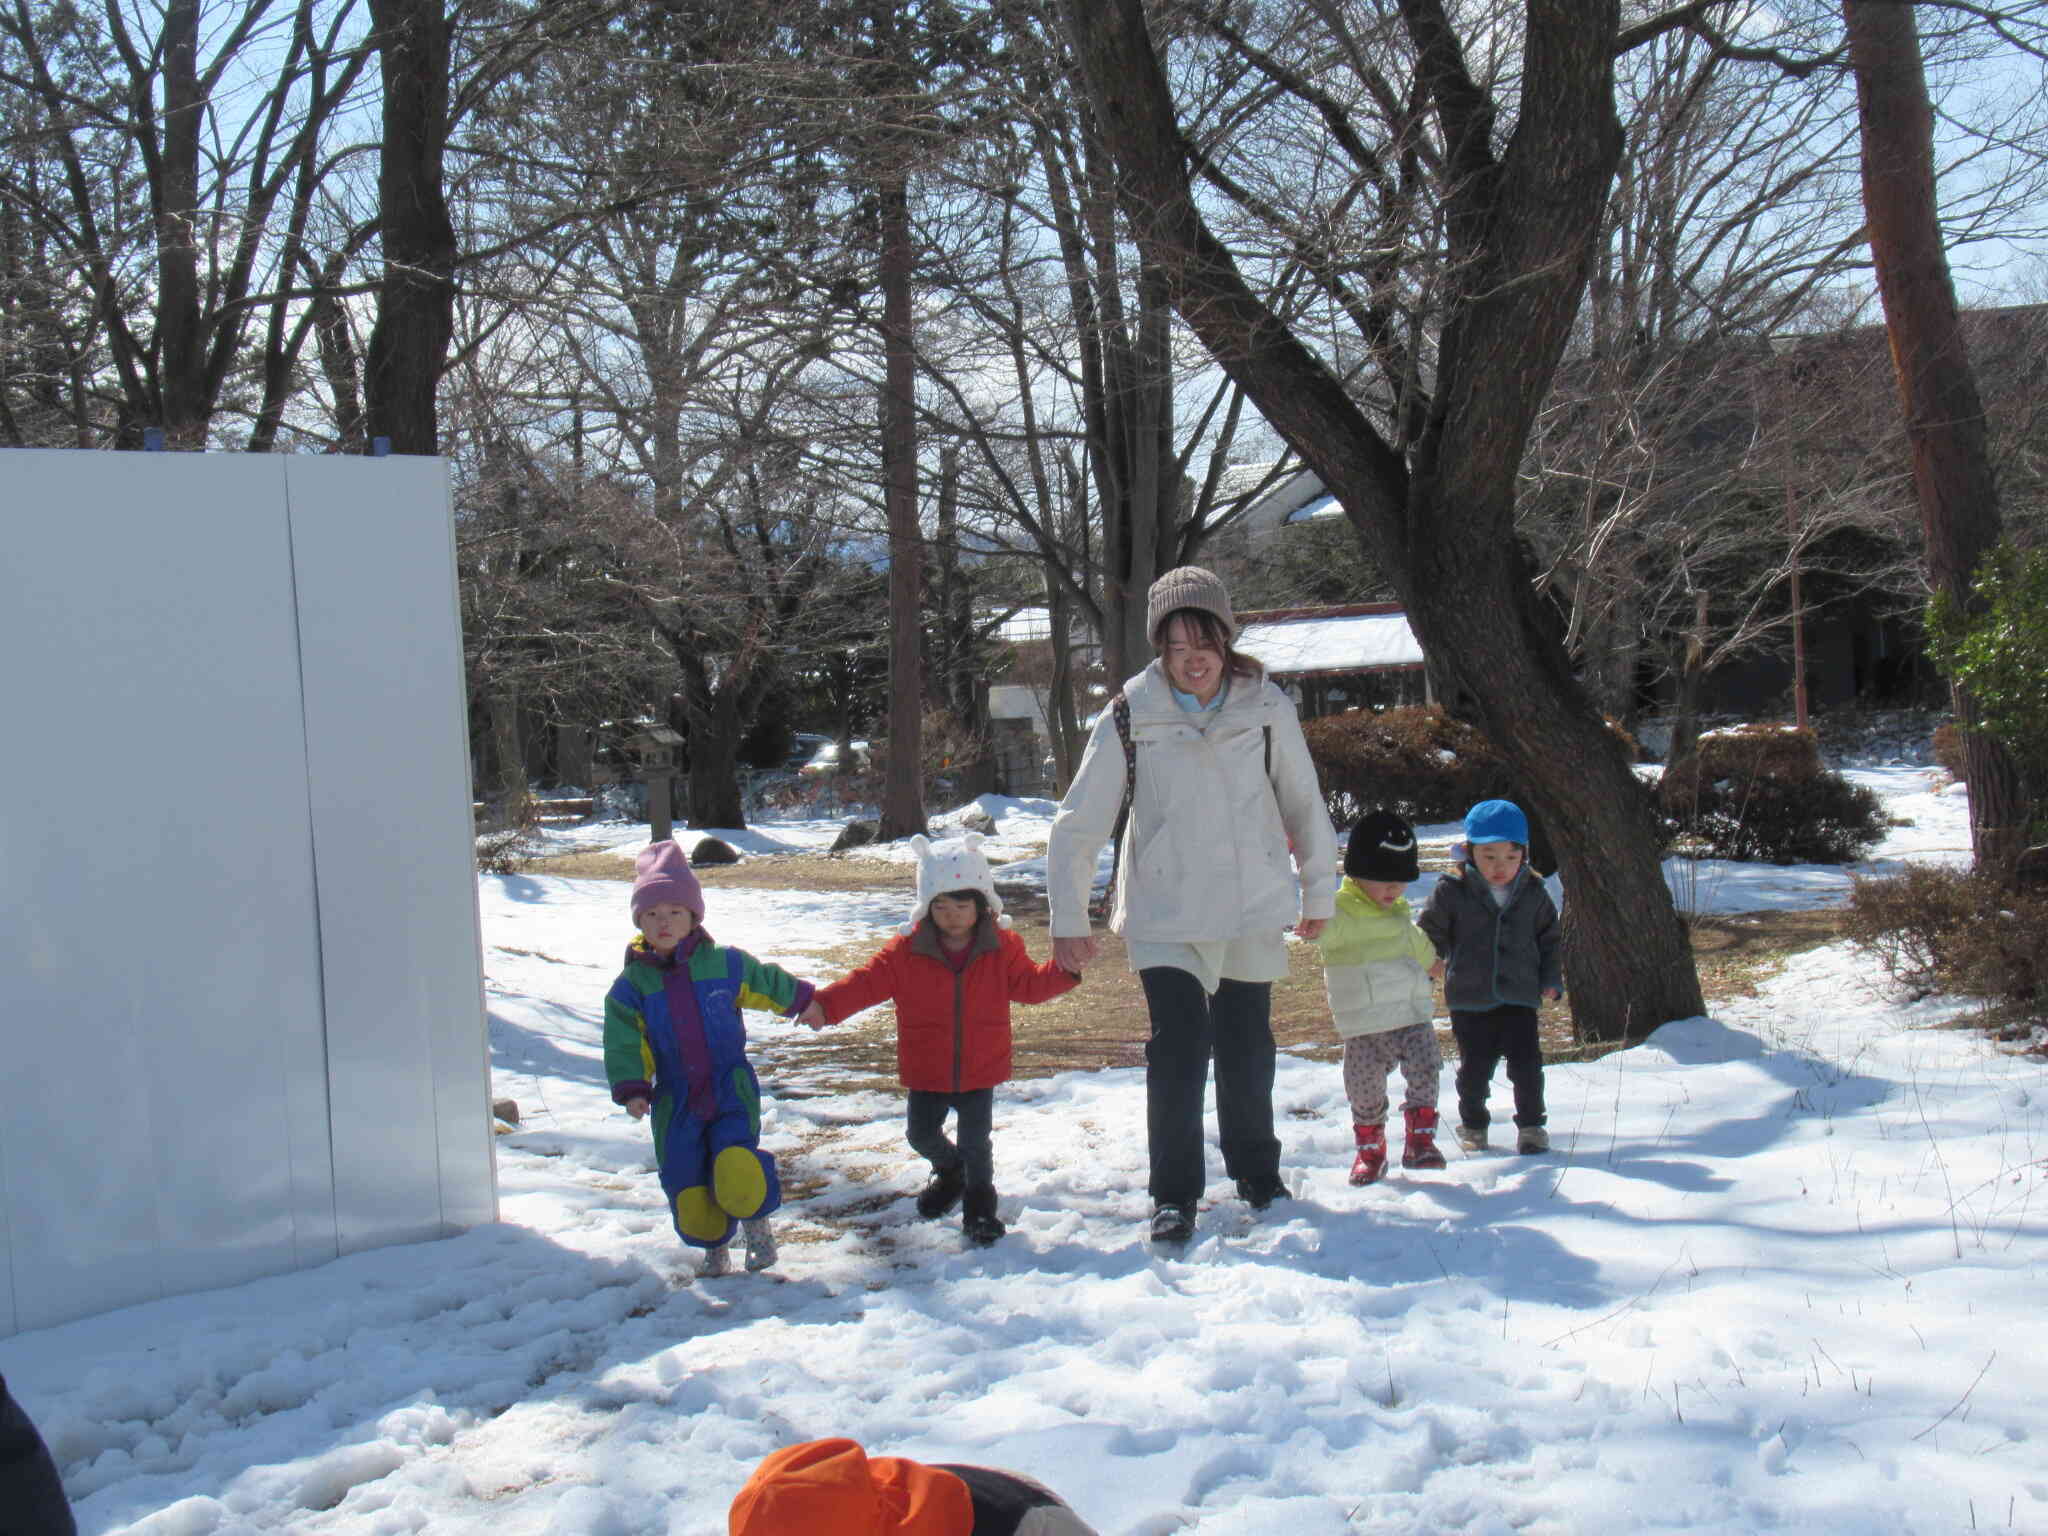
(714,795)
(1521,232)
(572,755)
(182,354)
(337,352)
(416,304)
(1952,474)
(508,761)
(1126,386)
(1062,725)
(902,786)
(960,688)
(1692,672)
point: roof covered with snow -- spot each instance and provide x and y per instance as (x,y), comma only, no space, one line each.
(1339,640)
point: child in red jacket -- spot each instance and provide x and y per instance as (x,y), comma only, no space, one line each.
(952,972)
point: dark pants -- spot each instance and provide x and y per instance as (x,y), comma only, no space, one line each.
(1483,1039)
(31,1498)
(927,1132)
(1188,1027)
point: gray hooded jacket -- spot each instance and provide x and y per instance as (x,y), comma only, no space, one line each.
(1495,954)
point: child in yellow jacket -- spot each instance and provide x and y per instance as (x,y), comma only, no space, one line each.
(1377,968)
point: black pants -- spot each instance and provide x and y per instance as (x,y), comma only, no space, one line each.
(1188,1027)
(927,1132)
(31,1498)
(1483,1039)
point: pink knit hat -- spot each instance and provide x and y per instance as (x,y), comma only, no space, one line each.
(663,874)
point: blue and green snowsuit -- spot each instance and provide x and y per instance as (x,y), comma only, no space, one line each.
(673,1036)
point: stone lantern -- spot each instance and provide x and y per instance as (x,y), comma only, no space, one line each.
(654,750)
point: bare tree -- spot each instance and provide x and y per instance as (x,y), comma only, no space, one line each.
(1945,422)
(171,181)
(679,348)
(1518,218)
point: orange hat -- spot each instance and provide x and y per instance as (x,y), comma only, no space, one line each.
(834,1486)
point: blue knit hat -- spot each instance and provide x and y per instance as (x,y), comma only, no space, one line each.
(1496,821)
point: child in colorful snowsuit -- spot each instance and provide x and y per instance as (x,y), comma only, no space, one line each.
(674,1044)
(1496,934)
(834,1488)
(952,971)
(1376,968)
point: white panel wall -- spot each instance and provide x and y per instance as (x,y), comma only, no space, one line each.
(163,916)
(375,566)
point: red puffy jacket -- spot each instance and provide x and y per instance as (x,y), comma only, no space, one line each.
(952,1027)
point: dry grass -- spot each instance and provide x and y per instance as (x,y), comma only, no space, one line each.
(768,871)
(1102,1023)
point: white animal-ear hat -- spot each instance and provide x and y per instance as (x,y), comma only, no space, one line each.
(948,865)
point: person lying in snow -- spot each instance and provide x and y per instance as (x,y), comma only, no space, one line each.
(834,1486)
(674,1045)
(952,972)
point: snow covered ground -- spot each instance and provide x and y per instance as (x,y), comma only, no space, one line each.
(1782,1272)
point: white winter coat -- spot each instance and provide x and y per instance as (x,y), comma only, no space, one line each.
(1205,853)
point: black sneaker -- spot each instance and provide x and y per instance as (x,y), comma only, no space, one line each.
(1260,1192)
(942,1193)
(1173,1223)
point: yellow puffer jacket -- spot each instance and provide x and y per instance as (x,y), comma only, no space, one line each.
(1375,965)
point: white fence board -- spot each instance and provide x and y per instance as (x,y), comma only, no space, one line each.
(163,1006)
(407,1060)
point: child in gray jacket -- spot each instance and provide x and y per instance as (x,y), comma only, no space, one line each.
(1496,935)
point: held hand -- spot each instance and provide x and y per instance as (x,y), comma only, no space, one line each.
(812,1015)
(1436,972)
(1553,993)
(1073,954)
(1310,927)
(637,1108)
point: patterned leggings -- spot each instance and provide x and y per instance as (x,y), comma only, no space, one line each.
(1369,1058)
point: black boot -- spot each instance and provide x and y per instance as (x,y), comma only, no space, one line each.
(942,1193)
(1173,1224)
(1261,1190)
(978,1217)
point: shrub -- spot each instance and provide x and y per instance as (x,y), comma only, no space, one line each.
(509,849)
(1414,759)
(1760,793)
(1952,930)
(1765,747)
(2000,652)
(946,749)
(1948,750)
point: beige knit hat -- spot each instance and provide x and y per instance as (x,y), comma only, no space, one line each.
(1189,586)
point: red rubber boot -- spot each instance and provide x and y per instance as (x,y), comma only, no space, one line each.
(1421,1150)
(1371,1161)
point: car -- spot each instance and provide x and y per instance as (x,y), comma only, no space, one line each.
(831,759)
(803,746)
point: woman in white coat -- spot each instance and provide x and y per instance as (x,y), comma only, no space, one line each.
(1227,837)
